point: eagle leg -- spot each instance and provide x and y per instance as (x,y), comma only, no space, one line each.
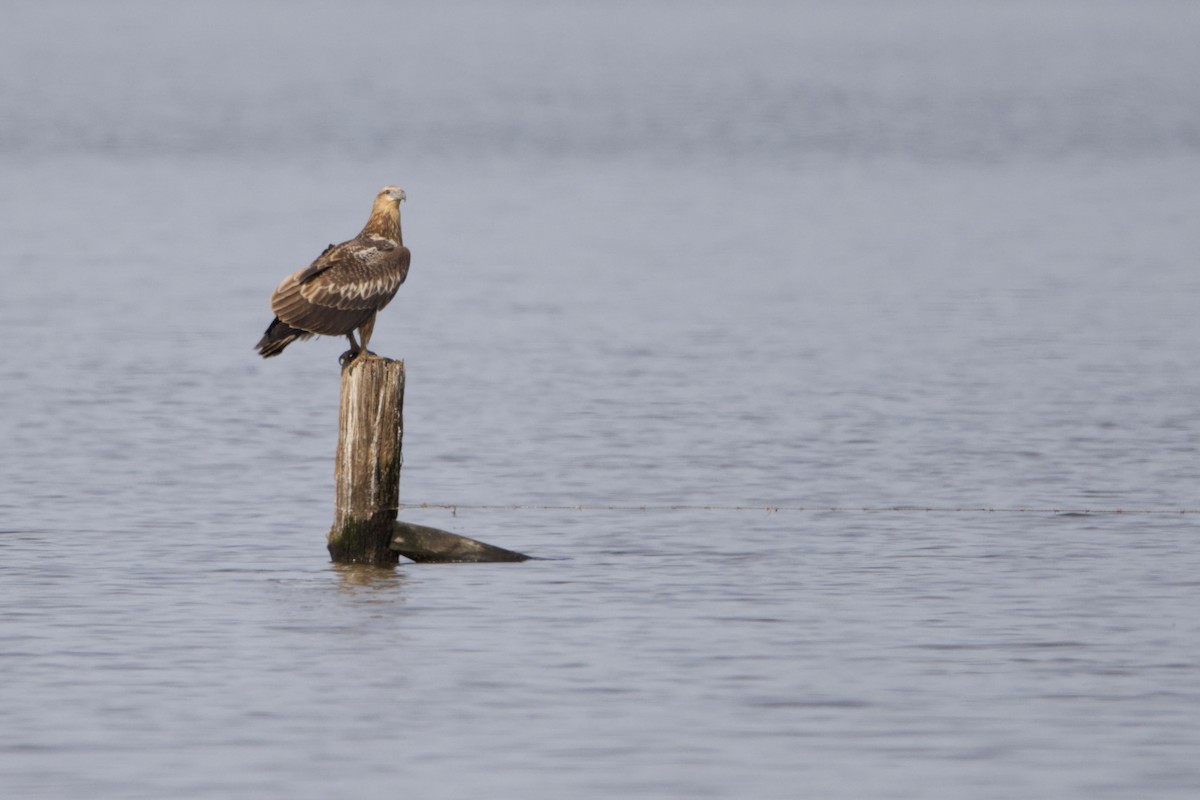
(348,356)
(365,330)
(364,333)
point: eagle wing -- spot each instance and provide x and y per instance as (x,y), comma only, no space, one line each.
(342,289)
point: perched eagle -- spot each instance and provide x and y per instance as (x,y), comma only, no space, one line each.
(345,287)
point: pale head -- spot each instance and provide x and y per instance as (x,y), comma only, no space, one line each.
(392,193)
(385,214)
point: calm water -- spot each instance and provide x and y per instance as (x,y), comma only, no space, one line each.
(928,254)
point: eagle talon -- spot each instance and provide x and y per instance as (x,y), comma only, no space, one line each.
(345,358)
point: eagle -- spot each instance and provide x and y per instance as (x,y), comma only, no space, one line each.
(346,286)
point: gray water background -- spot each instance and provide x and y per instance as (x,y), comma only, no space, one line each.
(923,254)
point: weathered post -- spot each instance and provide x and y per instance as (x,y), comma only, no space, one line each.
(367,470)
(367,478)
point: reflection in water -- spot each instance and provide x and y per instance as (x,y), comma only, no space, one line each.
(363,578)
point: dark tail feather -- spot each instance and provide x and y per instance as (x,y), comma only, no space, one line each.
(278,336)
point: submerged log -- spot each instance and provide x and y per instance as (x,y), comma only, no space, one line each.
(430,545)
(367,471)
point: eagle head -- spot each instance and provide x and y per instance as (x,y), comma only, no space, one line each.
(393,193)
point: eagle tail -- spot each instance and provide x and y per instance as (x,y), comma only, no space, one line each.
(278,336)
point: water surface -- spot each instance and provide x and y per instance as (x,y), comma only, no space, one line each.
(812,255)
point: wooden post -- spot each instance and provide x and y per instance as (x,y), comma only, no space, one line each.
(367,478)
(367,471)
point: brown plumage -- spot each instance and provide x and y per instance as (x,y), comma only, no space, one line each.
(345,287)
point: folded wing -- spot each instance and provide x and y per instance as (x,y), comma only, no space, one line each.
(343,288)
